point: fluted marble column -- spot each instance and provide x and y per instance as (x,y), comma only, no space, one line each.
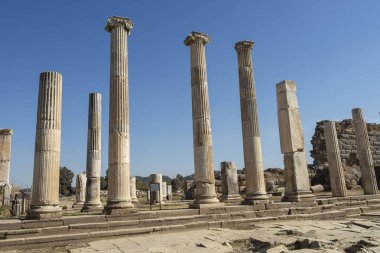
(297,185)
(94,153)
(253,159)
(133,190)
(203,159)
(369,183)
(119,198)
(336,171)
(45,189)
(5,155)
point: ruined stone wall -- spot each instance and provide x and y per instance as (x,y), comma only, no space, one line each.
(346,137)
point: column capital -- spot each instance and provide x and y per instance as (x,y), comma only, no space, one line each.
(116,21)
(6,131)
(244,44)
(194,36)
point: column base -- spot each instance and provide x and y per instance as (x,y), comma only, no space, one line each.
(118,207)
(135,200)
(44,212)
(253,199)
(206,206)
(231,198)
(91,207)
(206,199)
(77,205)
(304,196)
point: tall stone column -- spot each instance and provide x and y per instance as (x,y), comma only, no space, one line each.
(94,153)
(203,160)
(45,189)
(336,171)
(5,155)
(133,190)
(119,199)
(253,159)
(369,183)
(297,185)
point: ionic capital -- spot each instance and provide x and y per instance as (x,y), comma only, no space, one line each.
(6,131)
(243,44)
(197,36)
(115,21)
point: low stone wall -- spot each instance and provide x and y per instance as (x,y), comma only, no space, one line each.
(346,137)
(347,144)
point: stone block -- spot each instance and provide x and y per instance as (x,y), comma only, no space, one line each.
(68,220)
(41,223)
(10,224)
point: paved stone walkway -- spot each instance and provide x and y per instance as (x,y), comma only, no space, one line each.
(310,236)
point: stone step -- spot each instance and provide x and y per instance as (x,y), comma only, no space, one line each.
(242,223)
(93,226)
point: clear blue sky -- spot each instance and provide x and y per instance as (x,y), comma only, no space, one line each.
(330,48)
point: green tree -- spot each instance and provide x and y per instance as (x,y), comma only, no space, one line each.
(65,180)
(104,182)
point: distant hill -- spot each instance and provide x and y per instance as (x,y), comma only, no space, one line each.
(146,179)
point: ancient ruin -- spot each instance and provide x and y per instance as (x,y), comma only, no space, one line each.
(229,203)
(230,187)
(253,161)
(297,186)
(5,155)
(119,198)
(133,190)
(369,183)
(45,190)
(94,153)
(337,181)
(203,159)
(80,190)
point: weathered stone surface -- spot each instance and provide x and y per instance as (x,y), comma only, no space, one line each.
(5,155)
(369,183)
(80,190)
(164,191)
(202,140)
(336,171)
(189,189)
(94,153)
(253,161)
(317,188)
(170,194)
(297,186)
(230,187)
(7,190)
(45,189)
(119,141)
(133,190)
(155,196)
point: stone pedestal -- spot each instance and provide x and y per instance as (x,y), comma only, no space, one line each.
(94,153)
(336,171)
(7,190)
(133,190)
(155,196)
(164,191)
(45,189)
(364,153)
(297,185)
(253,161)
(119,147)
(203,159)
(170,194)
(230,186)
(5,155)
(80,191)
